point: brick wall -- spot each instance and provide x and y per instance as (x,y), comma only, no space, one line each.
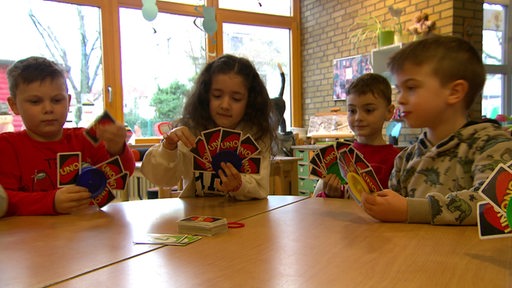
(325,37)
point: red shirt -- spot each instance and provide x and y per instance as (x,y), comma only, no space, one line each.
(28,168)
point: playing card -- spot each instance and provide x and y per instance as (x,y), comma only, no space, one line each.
(200,150)
(104,198)
(91,131)
(248,147)
(370,179)
(497,189)
(119,182)
(329,157)
(251,165)
(201,165)
(340,145)
(317,169)
(212,139)
(112,167)
(69,166)
(167,239)
(492,223)
(230,140)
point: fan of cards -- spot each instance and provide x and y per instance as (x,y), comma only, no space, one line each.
(495,214)
(99,180)
(224,145)
(343,160)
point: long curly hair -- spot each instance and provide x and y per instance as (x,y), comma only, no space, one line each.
(258,117)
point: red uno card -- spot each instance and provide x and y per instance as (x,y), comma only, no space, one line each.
(360,162)
(69,166)
(119,182)
(251,165)
(496,188)
(371,180)
(200,150)
(340,145)
(104,198)
(103,119)
(201,165)
(112,167)
(248,147)
(230,140)
(212,140)
(492,223)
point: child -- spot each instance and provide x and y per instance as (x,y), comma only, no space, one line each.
(437,179)
(228,93)
(368,106)
(28,170)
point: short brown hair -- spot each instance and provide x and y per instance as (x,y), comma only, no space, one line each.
(33,69)
(452,58)
(371,83)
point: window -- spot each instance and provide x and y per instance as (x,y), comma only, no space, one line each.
(38,32)
(124,61)
(496,98)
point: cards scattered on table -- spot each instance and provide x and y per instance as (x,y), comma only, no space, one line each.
(495,214)
(342,159)
(167,239)
(202,225)
(225,145)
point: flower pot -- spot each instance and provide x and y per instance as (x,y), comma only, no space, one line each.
(386,38)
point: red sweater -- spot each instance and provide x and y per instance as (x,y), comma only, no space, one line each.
(28,168)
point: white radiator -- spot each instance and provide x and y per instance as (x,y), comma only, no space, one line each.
(138,186)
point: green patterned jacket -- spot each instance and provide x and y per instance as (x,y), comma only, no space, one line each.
(441,182)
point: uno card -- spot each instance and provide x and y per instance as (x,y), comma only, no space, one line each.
(230,140)
(340,145)
(119,182)
(112,167)
(248,147)
(69,166)
(371,180)
(200,150)
(317,169)
(201,165)
(330,161)
(251,165)
(212,140)
(102,120)
(360,162)
(104,198)
(492,223)
(498,187)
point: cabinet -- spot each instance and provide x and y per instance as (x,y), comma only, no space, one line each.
(306,183)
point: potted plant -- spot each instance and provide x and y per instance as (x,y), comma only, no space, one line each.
(370,28)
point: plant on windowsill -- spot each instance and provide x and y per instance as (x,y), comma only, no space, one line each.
(370,29)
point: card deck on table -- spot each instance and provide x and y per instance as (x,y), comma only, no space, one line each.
(167,239)
(91,131)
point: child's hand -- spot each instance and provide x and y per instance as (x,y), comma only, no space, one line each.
(332,186)
(179,134)
(114,137)
(385,205)
(230,177)
(71,198)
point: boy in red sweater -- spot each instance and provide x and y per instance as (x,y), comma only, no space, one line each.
(28,170)
(368,106)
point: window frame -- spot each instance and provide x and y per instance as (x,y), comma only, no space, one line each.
(111,44)
(506,68)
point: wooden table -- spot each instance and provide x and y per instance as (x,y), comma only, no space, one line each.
(319,243)
(39,250)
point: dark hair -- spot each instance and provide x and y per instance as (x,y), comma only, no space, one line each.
(33,69)
(196,112)
(371,83)
(452,58)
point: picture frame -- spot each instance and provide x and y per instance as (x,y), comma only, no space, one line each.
(346,70)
